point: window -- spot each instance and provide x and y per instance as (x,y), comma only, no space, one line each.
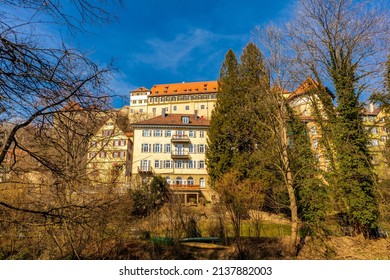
(201,148)
(145,148)
(315,143)
(92,155)
(93,144)
(185,119)
(201,164)
(167,148)
(146,133)
(157,148)
(157,164)
(191,148)
(191,134)
(104,143)
(167,164)
(107,132)
(175,108)
(201,182)
(201,134)
(119,143)
(190,181)
(383,138)
(374,130)
(157,133)
(102,154)
(179,164)
(374,142)
(313,130)
(119,154)
(141,110)
(179,181)
(168,133)
(168,179)
(145,165)
(371,118)
(202,107)
(191,164)
(187,108)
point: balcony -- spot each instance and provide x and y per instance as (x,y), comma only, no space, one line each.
(145,170)
(180,154)
(182,187)
(180,138)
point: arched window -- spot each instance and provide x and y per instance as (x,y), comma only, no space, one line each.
(201,182)
(179,181)
(168,179)
(190,181)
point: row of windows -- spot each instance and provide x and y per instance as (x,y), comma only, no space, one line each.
(168,133)
(115,143)
(181,98)
(375,142)
(168,164)
(104,154)
(375,129)
(372,119)
(189,182)
(167,148)
(138,101)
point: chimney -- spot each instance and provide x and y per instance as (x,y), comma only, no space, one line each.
(372,107)
(196,114)
(163,113)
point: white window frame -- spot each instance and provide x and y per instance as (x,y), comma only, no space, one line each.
(157,133)
(146,133)
(145,148)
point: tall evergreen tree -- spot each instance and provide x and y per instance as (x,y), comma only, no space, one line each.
(220,135)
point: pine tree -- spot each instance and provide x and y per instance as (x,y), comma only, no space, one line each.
(220,135)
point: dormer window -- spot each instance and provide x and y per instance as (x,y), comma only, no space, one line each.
(185,119)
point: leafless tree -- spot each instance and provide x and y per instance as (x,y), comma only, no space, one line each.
(52,99)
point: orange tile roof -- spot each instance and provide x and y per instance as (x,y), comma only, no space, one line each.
(184,88)
(304,87)
(371,113)
(141,89)
(175,120)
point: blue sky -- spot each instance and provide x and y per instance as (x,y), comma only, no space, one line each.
(156,42)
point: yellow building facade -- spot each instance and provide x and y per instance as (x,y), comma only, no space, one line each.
(177,98)
(109,156)
(173,146)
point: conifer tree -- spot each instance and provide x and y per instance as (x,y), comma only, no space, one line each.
(220,135)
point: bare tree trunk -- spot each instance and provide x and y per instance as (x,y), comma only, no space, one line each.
(290,188)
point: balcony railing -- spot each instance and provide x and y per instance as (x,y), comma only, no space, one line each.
(145,169)
(180,138)
(180,154)
(182,187)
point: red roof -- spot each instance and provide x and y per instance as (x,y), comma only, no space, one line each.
(375,112)
(175,120)
(304,87)
(141,89)
(185,88)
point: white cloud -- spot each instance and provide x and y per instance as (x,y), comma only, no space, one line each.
(171,54)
